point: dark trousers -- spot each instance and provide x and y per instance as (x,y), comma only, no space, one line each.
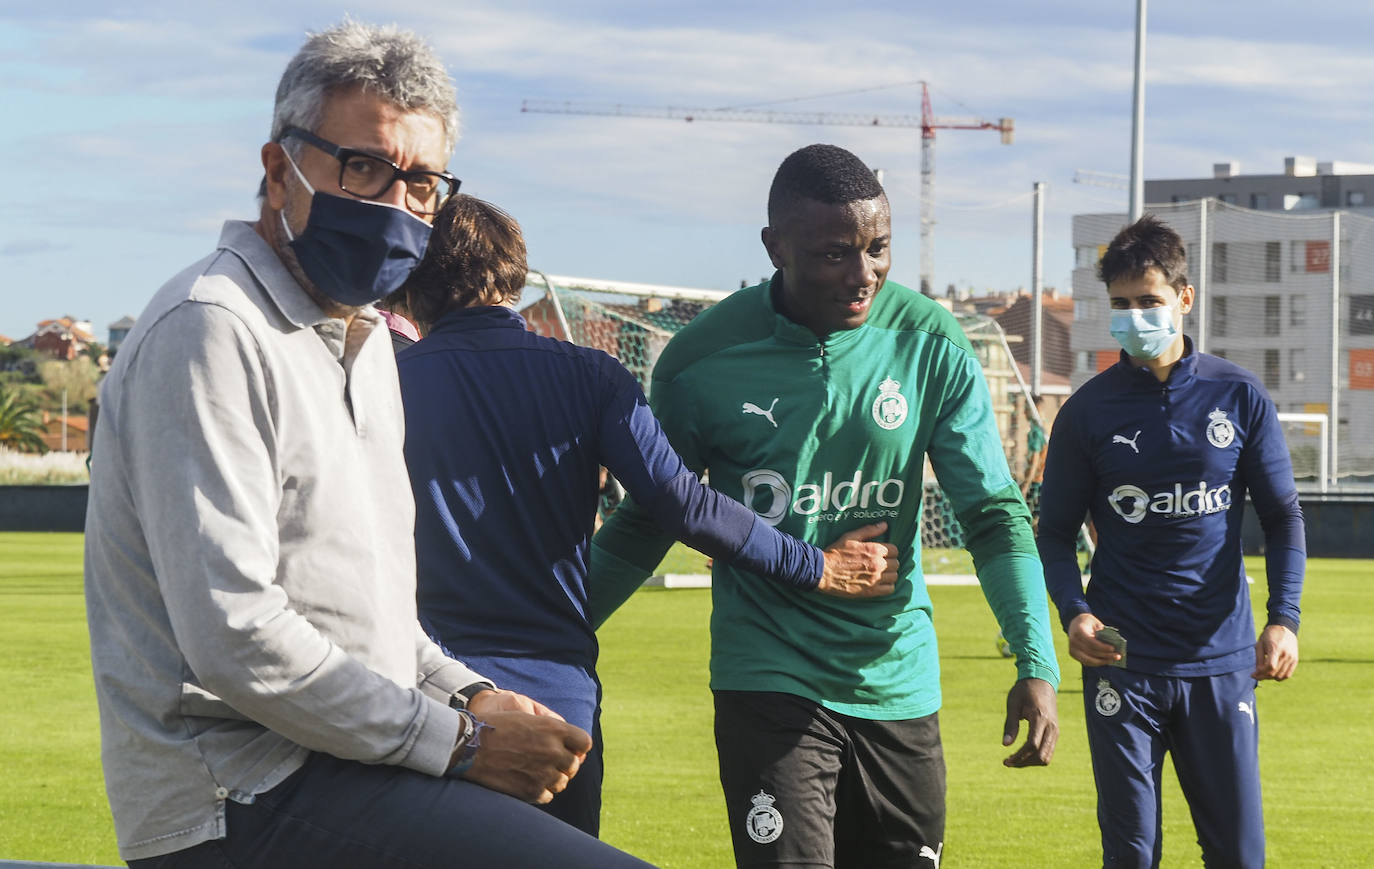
(573,691)
(343,814)
(1209,725)
(805,786)
(580,802)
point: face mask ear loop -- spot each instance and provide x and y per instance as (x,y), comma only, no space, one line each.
(291,236)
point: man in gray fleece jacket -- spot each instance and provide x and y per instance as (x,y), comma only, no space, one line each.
(267,696)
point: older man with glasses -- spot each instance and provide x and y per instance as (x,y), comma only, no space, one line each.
(266,694)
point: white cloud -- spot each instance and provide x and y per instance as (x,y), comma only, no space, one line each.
(1310,71)
(164,104)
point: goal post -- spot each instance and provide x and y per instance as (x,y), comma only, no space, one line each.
(1308,438)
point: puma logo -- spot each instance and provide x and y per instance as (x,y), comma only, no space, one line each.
(932,856)
(1130,442)
(750,407)
(1247,708)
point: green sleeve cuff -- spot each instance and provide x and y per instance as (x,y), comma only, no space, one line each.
(1014,585)
(1030,670)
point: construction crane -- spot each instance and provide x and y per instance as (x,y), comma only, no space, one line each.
(1094,178)
(926,122)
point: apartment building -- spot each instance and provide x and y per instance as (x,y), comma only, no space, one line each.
(1285,290)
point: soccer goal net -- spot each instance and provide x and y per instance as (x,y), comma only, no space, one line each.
(633,322)
(1308,440)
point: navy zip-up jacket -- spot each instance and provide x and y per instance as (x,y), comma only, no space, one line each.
(1163,469)
(505,433)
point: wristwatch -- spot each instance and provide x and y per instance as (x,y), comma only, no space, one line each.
(459,699)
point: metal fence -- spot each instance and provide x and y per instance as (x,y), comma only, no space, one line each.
(1289,296)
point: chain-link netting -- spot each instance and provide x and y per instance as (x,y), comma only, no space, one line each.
(1018,421)
(1288,296)
(630,327)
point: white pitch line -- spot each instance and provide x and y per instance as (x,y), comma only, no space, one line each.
(703,580)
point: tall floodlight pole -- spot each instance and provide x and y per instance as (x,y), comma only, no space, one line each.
(1037,352)
(1138,117)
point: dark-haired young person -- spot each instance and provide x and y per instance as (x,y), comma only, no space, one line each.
(826,710)
(506,435)
(1162,449)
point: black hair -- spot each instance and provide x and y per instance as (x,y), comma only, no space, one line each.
(1147,243)
(824,173)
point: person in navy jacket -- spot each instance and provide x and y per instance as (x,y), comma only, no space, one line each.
(506,434)
(1160,451)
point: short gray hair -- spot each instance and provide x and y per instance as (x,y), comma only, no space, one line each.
(394,64)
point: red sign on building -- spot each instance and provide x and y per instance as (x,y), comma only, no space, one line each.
(1362,369)
(1319,256)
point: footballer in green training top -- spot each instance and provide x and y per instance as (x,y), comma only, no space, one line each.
(815,398)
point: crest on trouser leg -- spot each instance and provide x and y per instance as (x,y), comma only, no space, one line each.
(764,822)
(1108,702)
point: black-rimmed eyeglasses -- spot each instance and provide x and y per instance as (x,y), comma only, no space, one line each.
(368,176)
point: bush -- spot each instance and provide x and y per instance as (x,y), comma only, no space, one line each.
(30,469)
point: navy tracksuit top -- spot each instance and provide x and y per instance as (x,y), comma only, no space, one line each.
(1163,470)
(505,433)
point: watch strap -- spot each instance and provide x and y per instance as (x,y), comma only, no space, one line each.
(460,698)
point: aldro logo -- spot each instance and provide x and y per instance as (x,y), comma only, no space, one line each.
(771,497)
(1132,502)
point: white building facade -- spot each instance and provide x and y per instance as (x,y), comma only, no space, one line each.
(1286,293)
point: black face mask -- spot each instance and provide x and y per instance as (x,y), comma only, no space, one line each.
(355,251)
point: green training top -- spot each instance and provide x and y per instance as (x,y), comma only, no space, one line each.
(821,436)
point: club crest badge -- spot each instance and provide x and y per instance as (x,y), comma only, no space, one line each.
(889,408)
(763,823)
(1220,431)
(1108,702)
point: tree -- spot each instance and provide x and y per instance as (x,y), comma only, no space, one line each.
(21,422)
(78,377)
(94,350)
(19,364)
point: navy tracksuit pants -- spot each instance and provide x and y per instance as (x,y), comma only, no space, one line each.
(1209,725)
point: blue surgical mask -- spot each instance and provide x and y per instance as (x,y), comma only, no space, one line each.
(355,251)
(1144,333)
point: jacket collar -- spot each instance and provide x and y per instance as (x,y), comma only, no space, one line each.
(790,332)
(1140,376)
(242,240)
(479,317)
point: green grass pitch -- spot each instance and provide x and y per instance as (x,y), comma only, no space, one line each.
(662,799)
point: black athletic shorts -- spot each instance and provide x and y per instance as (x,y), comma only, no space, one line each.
(805,786)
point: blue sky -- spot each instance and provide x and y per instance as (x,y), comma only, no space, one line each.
(133,128)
